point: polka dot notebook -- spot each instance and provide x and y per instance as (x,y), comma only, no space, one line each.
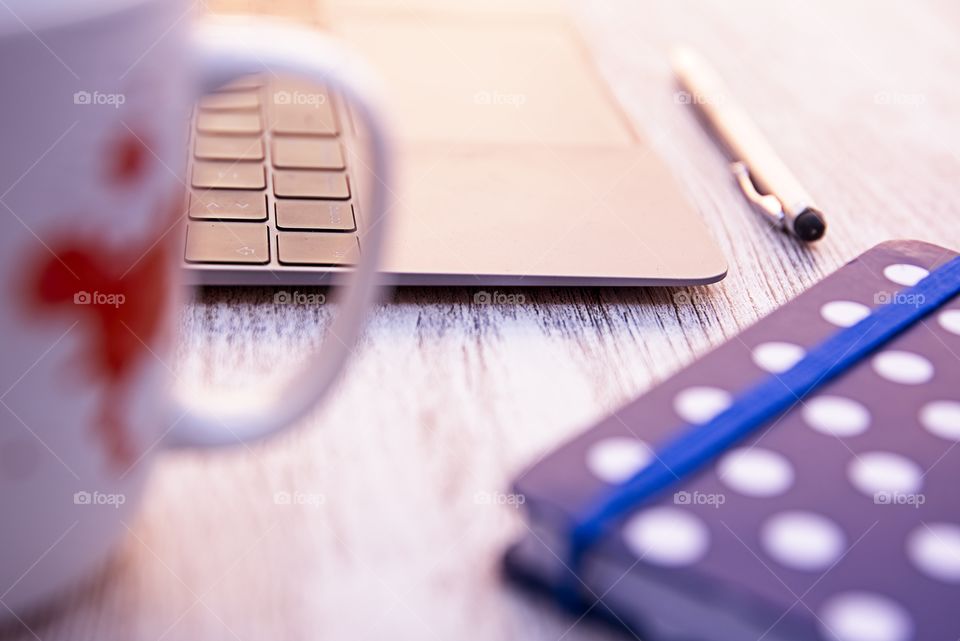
(839,520)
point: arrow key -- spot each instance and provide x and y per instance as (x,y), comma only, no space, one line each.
(228,243)
(226,204)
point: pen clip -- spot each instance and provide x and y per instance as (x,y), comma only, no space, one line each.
(767,204)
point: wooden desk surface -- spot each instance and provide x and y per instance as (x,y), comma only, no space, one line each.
(446,400)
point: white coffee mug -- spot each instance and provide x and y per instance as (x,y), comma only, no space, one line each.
(95,99)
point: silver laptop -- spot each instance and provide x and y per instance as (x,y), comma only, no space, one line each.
(516,166)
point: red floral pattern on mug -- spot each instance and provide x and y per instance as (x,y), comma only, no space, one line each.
(119,296)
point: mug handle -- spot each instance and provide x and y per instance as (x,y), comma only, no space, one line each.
(226,50)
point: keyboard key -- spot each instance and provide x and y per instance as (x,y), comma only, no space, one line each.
(317,120)
(317,215)
(221,204)
(228,122)
(230,101)
(307,153)
(317,249)
(311,184)
(228,175)
(247,243)
(228,147)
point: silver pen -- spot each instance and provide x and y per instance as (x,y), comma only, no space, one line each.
(765,180)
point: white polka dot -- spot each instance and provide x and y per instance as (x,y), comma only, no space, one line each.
(884,472)
(935,549)
(950,321)
(756,472)
(803,540)
(942,418)
(863,616)
(666,536)
(836,415)
(777,357)
(844,313)
(903,367)
(617,458)
(906,275)
(700,404)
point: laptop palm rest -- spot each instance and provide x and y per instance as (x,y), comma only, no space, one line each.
(516,166)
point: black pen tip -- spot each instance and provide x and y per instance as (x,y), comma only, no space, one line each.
(809,225)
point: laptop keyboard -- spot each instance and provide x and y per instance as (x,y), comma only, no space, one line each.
(269,181)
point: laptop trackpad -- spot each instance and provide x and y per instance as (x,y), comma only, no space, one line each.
(528,213)
(483,79)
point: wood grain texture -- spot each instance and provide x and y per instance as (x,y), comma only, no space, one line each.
(445,401)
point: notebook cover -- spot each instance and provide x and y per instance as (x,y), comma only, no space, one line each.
(840,520)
